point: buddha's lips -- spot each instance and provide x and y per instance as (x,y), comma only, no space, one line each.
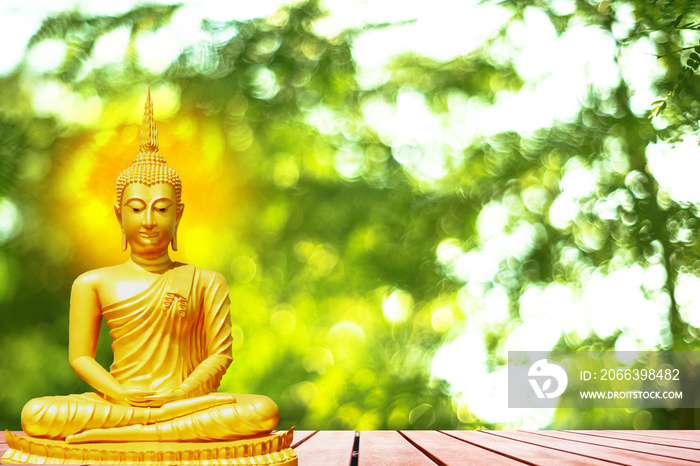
(149,235)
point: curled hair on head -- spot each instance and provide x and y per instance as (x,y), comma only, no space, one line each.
(149,166)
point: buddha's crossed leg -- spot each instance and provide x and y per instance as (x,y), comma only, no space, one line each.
(88,418)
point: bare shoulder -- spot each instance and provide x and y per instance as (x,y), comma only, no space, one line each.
(94,279)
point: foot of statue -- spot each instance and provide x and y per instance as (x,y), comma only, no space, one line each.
(114,434)
(178,408)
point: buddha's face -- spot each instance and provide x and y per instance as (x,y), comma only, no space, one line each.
(149,217)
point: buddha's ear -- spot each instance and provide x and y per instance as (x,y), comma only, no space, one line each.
(118,213)
(178,215)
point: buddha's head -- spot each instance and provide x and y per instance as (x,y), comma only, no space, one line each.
(148,204)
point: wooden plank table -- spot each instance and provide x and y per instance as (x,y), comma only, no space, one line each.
(460,447)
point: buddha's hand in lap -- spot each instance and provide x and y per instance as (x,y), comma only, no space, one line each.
(157,400)
(137,397)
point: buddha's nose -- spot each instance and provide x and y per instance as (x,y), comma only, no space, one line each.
(148,218)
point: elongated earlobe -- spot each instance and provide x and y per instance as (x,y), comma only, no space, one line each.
(180,209)
(123,241)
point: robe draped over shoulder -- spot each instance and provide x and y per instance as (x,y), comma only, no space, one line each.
(175,334)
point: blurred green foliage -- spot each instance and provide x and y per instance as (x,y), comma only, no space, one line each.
(315,252)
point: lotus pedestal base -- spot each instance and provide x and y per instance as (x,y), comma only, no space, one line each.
(273,449)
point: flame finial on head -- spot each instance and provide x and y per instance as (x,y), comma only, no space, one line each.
(149,166)
(149,135)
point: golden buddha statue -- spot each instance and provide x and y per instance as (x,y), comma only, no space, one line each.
(171,332)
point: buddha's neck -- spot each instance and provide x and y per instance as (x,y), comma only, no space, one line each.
(152,264)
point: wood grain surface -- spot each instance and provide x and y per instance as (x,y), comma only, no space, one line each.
(461,448)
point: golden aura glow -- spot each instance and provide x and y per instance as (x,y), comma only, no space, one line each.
(82,189)
(172,338)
